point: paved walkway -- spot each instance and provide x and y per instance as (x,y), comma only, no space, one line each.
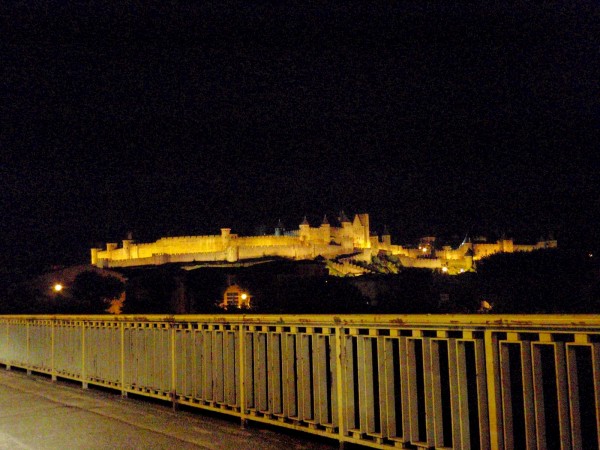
(38,414)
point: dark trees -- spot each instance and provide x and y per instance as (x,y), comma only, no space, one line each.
(543,281)
(91,293)
(150,292)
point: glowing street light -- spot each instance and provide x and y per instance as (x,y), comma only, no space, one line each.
(244,300)
(58,287)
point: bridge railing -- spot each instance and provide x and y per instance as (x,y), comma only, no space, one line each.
(435,381)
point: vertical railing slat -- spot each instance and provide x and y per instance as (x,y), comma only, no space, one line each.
(528,400)
(493,384)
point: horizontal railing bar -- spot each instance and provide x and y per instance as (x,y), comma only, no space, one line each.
(487,321)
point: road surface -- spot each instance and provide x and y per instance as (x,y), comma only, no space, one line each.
(38,414)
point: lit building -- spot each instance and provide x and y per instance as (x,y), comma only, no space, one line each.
(306,242)
(347,248)
(235,297)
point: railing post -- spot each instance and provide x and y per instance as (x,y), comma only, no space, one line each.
(494,415)
(528,394)
(562,393)
(53,350)
(596,378)
(7,341)
(340,359)
(242,386)
(122,358)
(28,338)
(173,368)
(482,393)
(84,383)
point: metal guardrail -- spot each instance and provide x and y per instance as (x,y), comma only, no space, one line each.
(434,381)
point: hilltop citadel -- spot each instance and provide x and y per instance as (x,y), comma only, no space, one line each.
(347,249)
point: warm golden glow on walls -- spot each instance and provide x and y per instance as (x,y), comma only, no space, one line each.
(307,242)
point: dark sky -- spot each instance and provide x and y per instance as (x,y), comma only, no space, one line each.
(166,118)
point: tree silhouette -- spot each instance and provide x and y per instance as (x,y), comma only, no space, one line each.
(150,291)
(543,281)
(91,293)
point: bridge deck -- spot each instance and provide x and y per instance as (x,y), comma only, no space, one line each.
(38,414)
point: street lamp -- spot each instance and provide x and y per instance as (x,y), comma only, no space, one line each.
(57,287)
(245,303)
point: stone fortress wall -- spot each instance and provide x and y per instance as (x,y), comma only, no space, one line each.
(307,242)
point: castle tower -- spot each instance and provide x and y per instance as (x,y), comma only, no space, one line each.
(279,229)
(345,233)
(325,230)
(225,237)
(361,232)
(232,253)
(94,255)
(346,225)
(467,247)
(364,219)
(469,259)
(386,238)
(127,246)
(110,248)
(304,230)
(506,245)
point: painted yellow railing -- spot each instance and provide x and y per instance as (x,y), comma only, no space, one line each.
(435,381)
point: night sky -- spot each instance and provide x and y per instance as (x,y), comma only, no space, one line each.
(165,118)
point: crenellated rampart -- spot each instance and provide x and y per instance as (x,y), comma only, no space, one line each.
(307,242)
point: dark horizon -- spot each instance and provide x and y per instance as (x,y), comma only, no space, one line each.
(182,119)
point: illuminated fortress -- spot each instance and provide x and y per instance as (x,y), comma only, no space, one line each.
(347,248)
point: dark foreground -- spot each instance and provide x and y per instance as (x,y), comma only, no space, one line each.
(38,414)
